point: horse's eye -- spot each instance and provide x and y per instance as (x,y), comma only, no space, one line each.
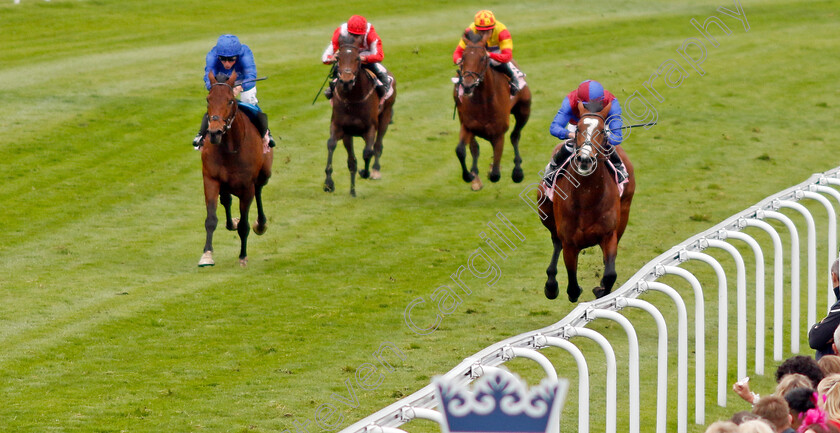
(230,102)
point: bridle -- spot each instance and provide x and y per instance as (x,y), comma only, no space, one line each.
(229,120)
(350,49)
(478,76)
(587,149)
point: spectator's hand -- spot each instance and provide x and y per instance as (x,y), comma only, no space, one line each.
(742,388)
(236,91)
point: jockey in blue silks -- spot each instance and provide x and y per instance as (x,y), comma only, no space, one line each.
(227,56)
(564,125)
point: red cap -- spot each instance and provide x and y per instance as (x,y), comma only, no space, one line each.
(357,25)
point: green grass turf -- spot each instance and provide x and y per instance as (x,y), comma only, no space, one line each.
(106,323)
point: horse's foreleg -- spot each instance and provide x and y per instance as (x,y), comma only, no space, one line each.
(461,151)
(551,287)
(367,154)
(570,258)
(498,147)
(351,162)
(244,228)
(225,200)
(329,185)
(384,120)
(211,192)
(610,249)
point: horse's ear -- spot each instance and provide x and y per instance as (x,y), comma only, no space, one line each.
(232,79)
(486,37)
(211,77)
(581,108)
(606,110)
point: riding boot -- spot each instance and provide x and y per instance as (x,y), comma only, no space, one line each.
(328,93)
(514,82)
(384,80)
(619,166)
(557,160)
(262,127)
(198,141)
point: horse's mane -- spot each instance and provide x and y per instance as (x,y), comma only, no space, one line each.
(594,106)
(222,77)
(346,40)
(472,36)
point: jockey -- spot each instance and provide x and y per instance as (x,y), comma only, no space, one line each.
(499,47)
(370,52)
(227,56)
(587,91)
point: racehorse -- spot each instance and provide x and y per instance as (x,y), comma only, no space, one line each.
(236,162)
(484,108)
(587,208)
(357,111)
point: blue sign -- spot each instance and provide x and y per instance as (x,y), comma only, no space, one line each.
(500,403)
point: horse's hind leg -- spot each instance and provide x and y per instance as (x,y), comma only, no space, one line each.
(461,151)
(551,287)
(351,162)
(521,112)
(610,249)
(225,199)
(260,226)
(384,120)
(211,192)
(367,153)
(570,258)
(498,147)
(243,228)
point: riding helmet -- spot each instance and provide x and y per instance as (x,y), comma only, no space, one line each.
(485,20)
(590,90)
(228,46)
(357,25)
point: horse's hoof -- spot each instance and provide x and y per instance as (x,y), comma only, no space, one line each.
(494,176)
(352,193)
(552,290)
(234,224)
(364,174)
(329,186)
(476,185)
(517,175)
(243,262)
(467,176)
(206,259)
(259,229)
(600,292)
(573,297)
(375,175)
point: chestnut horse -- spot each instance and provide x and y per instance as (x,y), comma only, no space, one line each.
(357,111)
(235,161)
(484,107)
(587,209)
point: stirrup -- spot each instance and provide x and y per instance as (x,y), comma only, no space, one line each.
(198,141)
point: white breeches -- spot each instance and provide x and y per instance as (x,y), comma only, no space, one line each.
(249,96)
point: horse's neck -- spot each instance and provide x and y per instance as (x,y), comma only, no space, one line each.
(236,136)
(595,187)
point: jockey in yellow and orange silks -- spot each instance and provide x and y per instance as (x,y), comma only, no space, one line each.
(499,48)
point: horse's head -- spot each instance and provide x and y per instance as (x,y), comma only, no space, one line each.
(221,106)
(591,138)
(474,62)
(349,61)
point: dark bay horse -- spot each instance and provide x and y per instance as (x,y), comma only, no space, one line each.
(484,107)
(357,111)
(587,209)
(236,162)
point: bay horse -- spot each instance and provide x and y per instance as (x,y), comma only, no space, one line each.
(357,111)
(484,105)
(587,209)
(234,162)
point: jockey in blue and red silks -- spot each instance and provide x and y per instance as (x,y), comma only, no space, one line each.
(564,125)
(370,52)
(226,57)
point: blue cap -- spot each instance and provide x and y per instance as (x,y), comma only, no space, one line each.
(590,90)
(228,46)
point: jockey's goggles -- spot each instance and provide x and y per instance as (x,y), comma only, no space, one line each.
(228,58)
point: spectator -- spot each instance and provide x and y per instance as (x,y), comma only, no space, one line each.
(830,364)
(722,427)
(775,410)
(743,416)
(820,336)
(829,395)
(788,382)
(803,365)
(755,426)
